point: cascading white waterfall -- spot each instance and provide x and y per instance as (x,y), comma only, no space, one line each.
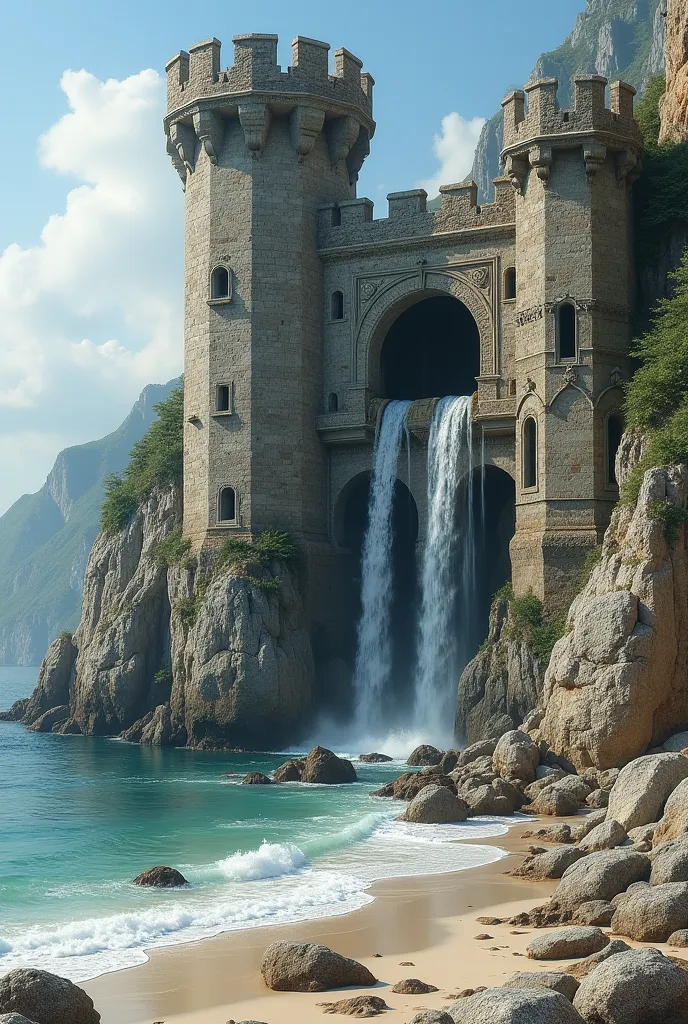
(440,643)
(374,651)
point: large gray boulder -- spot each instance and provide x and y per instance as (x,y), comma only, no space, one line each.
(674,822)
(636,987)
(551,864)
(596,912)
(515,1006)
(586,824)
(677,742)
(670,862)
(45,998)
(486,799)
(641,790)
(483,748)
(606,836)
(436,805)
(555,803)
(600,876)
(652,913)
(308,967)
(556,982)
(516,757)
(567,943)
(584,967)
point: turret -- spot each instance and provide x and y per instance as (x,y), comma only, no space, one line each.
(258,150)
(572,171)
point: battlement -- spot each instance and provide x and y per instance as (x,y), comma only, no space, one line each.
(351,222)
(541,119)
(198,75)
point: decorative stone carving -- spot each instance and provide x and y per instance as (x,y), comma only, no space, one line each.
(529,316)
(305,124)
(255,119)
(627,166)
(517,172)
(594,155)
(368,289)
(183,143)
(481,276)
(359,151)
(540,158)
(530,386)
(210,130)
(570,375)
(342,135)
(615,377)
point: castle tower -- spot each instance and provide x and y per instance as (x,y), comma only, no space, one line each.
(258,150)
(573,171)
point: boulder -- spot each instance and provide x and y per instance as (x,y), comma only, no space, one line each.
(676,743)
(432,1017)
(436,805)
(652,913)
(256,779)
(606,836)
(575,785)
(596,912)
(309,967)
(413,987)
(643,786)
(410,784)
(374,758)
(674,821)
(559,833)
(483,748)
(159,731)
(567,943)
(49,719)
(516,757)
(598,798)
(643,833)
(545,778)
(357,1006)
(583,968)
(19,1018)
(45,998)
(606,779)
(324,767)
(424,755)
(639,986)
(485,800)
(515,1006)
(52,687)
(161,877)
(600,876)
(587,824)
(551,864)
(564,983)
(449,761)
(678,939)
(512,794)
(290,771)
(555,803)
(670,862)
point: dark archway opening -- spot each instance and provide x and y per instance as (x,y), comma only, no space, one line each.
(431,350)
(353,523)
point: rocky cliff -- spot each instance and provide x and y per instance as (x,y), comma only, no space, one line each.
(674,104)
(205,655)
(617,682)
(45,538)
(615,38)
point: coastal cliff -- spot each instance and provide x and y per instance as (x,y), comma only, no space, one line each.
(674,104)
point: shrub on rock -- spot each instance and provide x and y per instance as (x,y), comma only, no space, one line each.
(309,967)
(639,986)
(424,755)
(436,805)
(45,998)
(515,1006)
(652,913)
(640,791)
(567,943)
(161,877)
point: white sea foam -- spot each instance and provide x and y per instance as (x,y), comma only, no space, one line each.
(270,860)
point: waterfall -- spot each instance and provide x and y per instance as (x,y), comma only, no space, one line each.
(443,648)
(374,651)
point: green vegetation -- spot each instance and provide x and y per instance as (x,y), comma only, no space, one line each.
(155,461)
(530,622)
(592,557)
(174,550)
(163,677)
(672,516)
(265,547)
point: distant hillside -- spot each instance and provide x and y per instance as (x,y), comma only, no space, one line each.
(45,538)
(615,38)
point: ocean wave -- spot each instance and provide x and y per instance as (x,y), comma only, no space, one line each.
(270,860)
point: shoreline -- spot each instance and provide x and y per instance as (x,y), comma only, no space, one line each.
(427,919)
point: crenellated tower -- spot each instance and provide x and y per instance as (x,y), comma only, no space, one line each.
(258,150)
(572,171)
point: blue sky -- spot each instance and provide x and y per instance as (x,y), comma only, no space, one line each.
(90,207)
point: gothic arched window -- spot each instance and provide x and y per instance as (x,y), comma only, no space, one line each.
(219,283)
(529,454)
(227,505)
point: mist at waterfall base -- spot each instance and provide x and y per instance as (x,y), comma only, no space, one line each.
(398,706)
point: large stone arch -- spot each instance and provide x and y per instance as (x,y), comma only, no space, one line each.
(381,300)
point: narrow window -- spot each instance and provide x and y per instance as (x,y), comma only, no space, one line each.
(219,283)
(566,330)
(332,402)
(614,432)
(510,283)
(223,398)
(227,507)
(530,453)
(337,305)
(336,216)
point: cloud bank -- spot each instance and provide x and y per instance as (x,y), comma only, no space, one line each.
(454,148)
(93,312)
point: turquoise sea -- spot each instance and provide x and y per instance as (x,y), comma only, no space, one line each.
(81,817)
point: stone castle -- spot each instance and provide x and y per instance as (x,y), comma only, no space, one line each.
(304,314)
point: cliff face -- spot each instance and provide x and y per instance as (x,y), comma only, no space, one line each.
(674,104)
(502,684)
(45,538)
(615,38)
(617,682)
(201,657)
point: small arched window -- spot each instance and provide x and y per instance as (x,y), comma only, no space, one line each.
(566,330)
(227,505)
(510,283)
(337,308)
(332,402)
(219,283)
(530,453)
(613,440)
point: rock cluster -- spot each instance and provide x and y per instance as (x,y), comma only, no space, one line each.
(44,998)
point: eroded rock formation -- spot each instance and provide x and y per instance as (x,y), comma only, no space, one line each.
(674,104)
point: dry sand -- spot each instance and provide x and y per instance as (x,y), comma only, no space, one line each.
(429,921)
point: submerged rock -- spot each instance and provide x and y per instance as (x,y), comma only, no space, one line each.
(256,779)
(374,758)
(323,766)
(290,771)
(308,967)
(161,877)
(45,998)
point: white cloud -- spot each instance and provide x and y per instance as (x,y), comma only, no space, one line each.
(454,148)
(93,312)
